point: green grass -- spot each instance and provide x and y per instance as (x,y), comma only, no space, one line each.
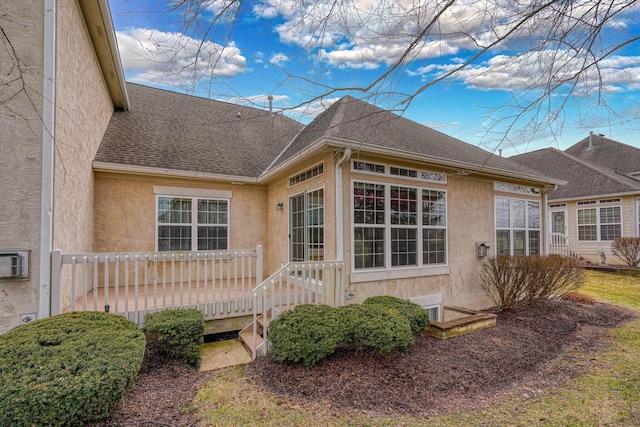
(608,395)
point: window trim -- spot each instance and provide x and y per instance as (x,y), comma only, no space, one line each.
(389,272)
(420,173)
(194,195)
(598,223)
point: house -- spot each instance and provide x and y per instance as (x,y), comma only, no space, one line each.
(397,207)
(601,200)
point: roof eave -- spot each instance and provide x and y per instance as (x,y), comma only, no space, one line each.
(469,167)
(145,170)
(99,24)
(594,196)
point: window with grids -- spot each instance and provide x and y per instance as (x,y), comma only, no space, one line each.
(398,226)
(192,223)
(602,223)
(517,226)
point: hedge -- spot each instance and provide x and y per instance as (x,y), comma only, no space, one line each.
(176,334)
(309,333)
(68,369)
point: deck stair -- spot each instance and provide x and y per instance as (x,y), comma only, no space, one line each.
(293,284)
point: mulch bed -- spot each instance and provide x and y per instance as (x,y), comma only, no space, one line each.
(531,349)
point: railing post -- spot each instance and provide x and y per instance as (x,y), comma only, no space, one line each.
(258,265)
(56,292)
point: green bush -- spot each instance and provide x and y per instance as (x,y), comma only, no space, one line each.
(309,333)
(417,316)
(306,334)
(176,334)
(517,281)
(68,369)
(376,327)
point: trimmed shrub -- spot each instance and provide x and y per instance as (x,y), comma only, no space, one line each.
(628,250)
(176,334)
(517,281)
(417,316)
(376,327)
(68,369)
(306,334)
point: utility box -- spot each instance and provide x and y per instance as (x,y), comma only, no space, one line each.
(14,264)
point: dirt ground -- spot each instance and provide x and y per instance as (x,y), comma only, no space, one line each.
(529,349)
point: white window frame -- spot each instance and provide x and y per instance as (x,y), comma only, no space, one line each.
(599,222)
(422,175)
(401,271)
(306,227)
(512,228)
(194,195)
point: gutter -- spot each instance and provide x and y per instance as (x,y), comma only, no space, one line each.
(339,208)
(48,142)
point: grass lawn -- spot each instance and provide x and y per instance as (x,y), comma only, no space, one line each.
(609,395)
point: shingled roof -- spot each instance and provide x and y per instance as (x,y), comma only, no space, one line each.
(365,126)
(584,179)
(608,153)
(170,131)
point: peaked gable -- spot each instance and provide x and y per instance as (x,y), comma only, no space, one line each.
(364,126)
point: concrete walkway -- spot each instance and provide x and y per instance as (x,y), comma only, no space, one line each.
(220,354)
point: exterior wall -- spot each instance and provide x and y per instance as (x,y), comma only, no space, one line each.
(591,250)
(125,212)
(21,148)
(84,108)
(470,219)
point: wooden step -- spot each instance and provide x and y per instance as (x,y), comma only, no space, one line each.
(246,338)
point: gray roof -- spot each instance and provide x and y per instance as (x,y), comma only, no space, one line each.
(608,153)
(367,126)
(176,132)
(584,179)
(173,131)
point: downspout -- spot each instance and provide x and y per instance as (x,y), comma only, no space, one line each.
(339,208)
(545,215)
(48,138)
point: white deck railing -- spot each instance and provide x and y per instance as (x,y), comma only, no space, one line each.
(218,283)
(561,244)
(294,284)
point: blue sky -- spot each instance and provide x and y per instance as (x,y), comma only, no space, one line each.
(297,55)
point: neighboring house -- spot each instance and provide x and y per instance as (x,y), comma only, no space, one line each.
(60,81)
(601,200)
(412,212)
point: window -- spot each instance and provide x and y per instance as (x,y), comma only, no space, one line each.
(398,226)
(306,175)
(517,226)
(599,223)
(192,223)
(307,226)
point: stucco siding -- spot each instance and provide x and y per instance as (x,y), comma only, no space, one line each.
(21,80)
(82,114)
(125,211)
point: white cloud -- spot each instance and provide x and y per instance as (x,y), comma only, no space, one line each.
(176,59)
(279,59)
